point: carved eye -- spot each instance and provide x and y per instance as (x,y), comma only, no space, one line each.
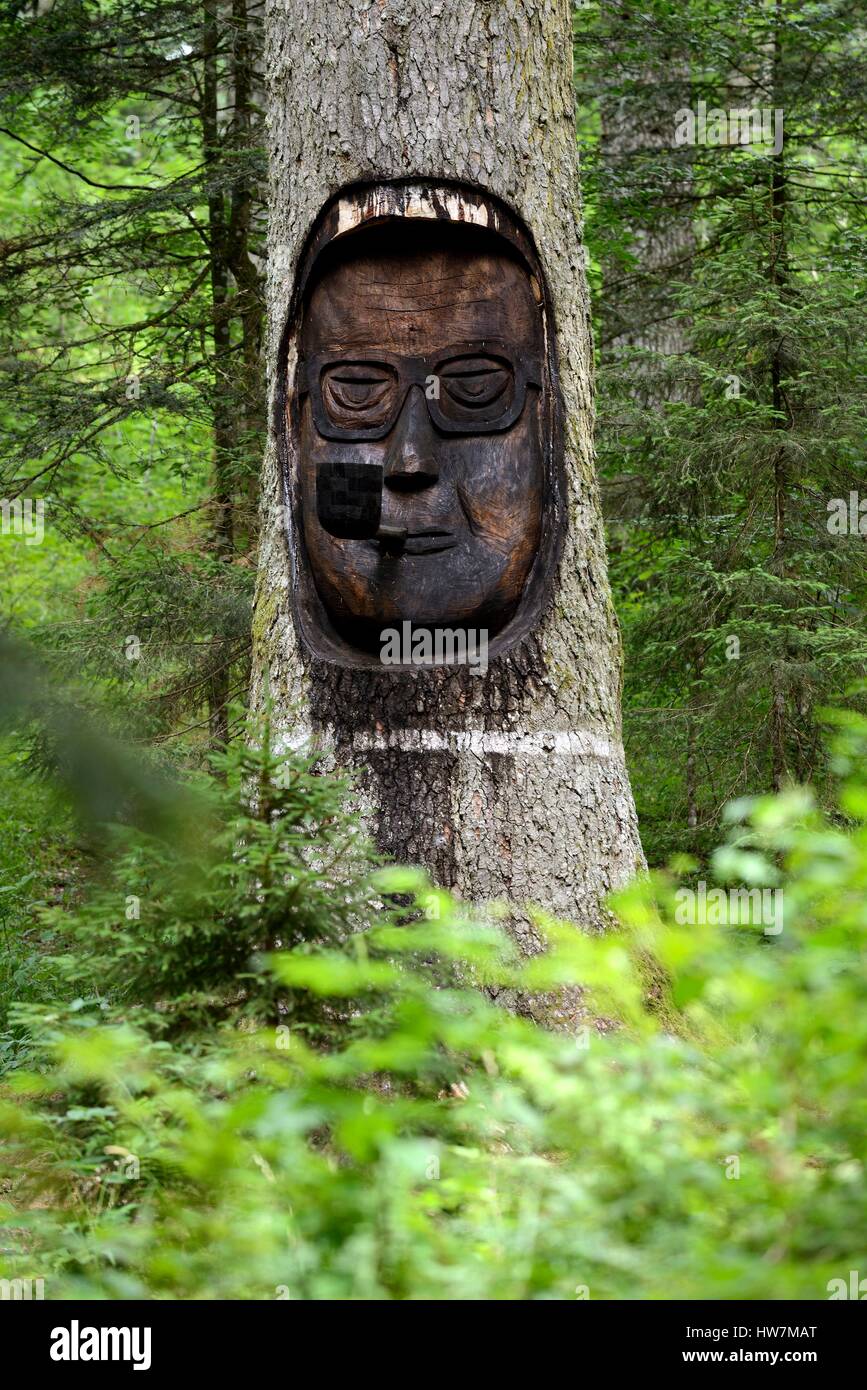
(483,384)
(358,392)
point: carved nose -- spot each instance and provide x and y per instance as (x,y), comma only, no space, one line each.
(411,463)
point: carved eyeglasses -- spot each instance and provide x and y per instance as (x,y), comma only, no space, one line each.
(476,387)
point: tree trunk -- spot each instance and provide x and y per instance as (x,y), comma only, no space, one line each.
(510,784)
(638,309)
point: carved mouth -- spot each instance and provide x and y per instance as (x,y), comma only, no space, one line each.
(427,542)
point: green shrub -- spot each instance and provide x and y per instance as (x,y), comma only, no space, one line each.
(289,1083)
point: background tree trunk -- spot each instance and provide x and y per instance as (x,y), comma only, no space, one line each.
(512,784)
(638,307)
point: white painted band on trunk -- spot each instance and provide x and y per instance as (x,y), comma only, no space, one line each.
(542,743)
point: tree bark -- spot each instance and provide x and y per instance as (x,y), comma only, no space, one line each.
(510,785)
(638,309)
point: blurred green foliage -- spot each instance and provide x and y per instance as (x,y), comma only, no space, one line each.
(286,1078)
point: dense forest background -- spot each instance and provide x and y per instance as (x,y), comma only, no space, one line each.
(728,286)
(728,290)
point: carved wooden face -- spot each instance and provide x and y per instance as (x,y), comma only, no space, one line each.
(420,431)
